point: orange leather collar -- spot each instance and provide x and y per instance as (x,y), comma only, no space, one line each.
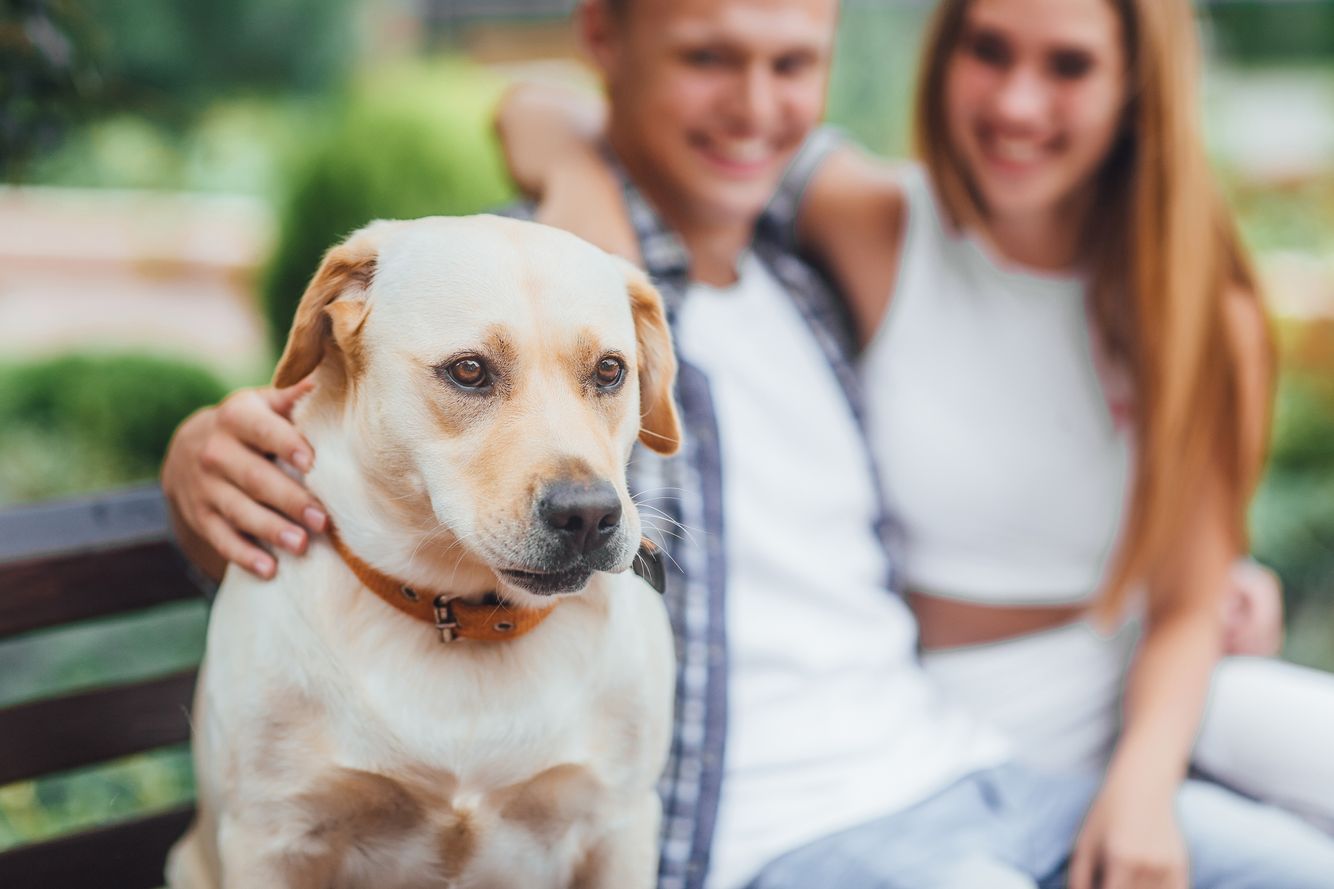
(487,621)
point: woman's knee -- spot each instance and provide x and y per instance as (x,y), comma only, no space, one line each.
(1239,843)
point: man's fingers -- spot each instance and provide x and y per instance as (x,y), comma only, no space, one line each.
(250,417)
(283,400)
(262,481)
(254,520)
(236,549)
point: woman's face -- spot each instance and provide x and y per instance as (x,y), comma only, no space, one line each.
(1034,92)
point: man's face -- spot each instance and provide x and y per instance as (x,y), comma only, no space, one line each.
(711,98)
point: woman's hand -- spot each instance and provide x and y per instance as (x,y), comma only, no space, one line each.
(224,490)
(1253,611)
(1131,839)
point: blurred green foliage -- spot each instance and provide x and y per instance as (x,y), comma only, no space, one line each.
(104,419)
(409,141)
(235,146)
(169,59)
(1282,31)
(1298,217)
(159,64)
(46,77)
(875,69)
(1292,516)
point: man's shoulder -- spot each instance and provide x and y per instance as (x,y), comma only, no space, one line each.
(522,209)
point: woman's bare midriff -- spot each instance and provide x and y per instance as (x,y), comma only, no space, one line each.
(950,623)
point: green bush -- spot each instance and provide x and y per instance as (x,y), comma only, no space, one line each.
(168,59)
(117,411)
(407,142)
(232,146)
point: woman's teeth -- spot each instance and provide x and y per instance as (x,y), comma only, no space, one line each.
(1016,151)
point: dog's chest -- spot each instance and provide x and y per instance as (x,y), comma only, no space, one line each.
(488,772)
(425,830)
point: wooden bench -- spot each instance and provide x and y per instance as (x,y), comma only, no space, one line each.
(62,564)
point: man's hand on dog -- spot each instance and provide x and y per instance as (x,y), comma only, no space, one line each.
(224,489)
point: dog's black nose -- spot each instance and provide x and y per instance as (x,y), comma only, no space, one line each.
(583,514)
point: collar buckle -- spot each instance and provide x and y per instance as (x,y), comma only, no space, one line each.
(445,621)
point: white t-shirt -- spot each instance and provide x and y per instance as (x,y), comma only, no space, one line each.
(831,721)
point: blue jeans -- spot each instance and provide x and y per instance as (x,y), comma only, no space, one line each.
(1013,828)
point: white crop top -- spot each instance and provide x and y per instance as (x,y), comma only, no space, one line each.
(999,454)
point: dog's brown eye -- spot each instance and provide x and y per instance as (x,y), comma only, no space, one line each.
(468,373)
(610,373)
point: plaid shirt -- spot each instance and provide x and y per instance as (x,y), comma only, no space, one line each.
(687,489)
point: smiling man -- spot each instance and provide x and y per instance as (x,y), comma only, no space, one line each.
(809,748)
(709,103)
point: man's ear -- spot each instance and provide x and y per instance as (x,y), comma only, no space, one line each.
(596,24)
(330,314)
(659,426)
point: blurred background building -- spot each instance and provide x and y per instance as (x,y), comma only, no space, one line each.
(174,171)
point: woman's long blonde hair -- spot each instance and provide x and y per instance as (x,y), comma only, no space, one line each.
(1165,257)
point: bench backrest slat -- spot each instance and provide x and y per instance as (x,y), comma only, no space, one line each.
(128,855)
(61,563)
(75,730)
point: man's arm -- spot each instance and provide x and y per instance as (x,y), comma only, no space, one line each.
(551,138)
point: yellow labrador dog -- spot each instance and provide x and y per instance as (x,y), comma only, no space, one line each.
(463,686)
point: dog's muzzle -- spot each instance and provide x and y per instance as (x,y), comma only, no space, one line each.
(575,531)
(581,516)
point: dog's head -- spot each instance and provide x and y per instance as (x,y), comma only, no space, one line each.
(487,380)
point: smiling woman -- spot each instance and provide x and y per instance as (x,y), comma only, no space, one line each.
(1031,103)
(1062,273)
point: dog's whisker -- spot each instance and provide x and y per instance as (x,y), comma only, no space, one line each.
(663,490)
(667,552)
(662,532)
(658,514)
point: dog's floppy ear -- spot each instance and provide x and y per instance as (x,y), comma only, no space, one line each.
(332,310)
(659,426)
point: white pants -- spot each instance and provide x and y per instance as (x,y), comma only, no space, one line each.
(1268,727)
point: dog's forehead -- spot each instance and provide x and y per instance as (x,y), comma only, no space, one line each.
(461,275)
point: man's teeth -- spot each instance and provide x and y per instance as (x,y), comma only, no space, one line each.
(1019,151)
(743,152)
